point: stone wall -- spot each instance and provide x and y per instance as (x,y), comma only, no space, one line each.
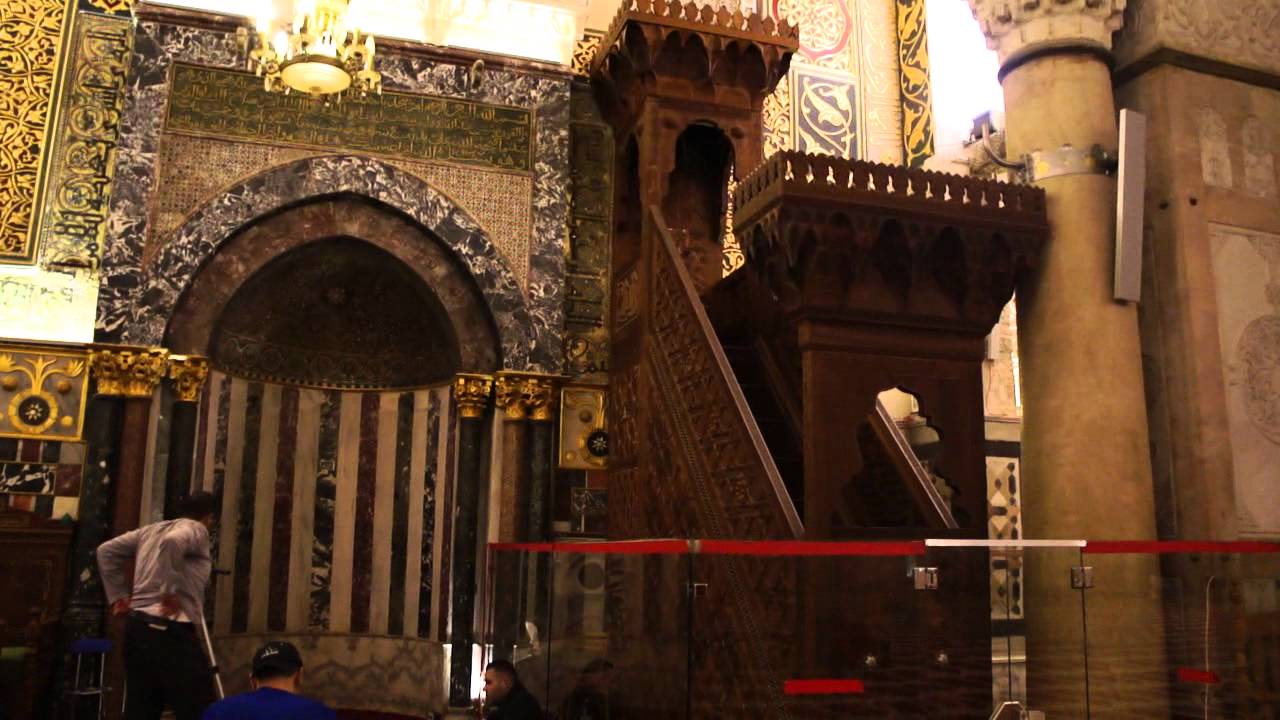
(1199,72)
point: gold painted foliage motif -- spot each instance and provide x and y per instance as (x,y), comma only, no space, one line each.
(917,102)
(586,340)
(584,51)
(825,27)
(30,34)
(82,161)
(42,393)
(733,258)
(826,114)
(777,119)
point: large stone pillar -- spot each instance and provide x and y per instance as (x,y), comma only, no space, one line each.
(471,392)
(1085,454)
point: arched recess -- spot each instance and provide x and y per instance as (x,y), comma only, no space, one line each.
(694,203)
(174,268)
(328,262)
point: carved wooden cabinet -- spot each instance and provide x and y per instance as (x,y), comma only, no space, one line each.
(33,569)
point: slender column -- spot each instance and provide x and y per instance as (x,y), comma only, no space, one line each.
(508,396)
(1085,454)
(540,402)
(132,374)
(471,392)
(188,373)
(508,393)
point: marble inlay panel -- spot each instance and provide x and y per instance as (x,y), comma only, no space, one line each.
(408,673)
(27,478)
(195,169)
(326,496)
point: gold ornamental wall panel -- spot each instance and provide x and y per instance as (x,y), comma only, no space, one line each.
(83,150)
(844,93)
(917,102)
(31,39)
(826,27)
(229,104)
(880,109)
(587,253)
(584,438)
(824,110)
(42,392)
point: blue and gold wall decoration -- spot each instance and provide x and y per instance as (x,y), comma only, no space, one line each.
(913,73)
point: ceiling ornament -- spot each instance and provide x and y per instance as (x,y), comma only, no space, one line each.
(319,51)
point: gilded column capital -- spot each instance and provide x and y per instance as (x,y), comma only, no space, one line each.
(508,396)
(1015,28)
(472,393)
(525,395)
(188,373)
(131,372)
(539,397)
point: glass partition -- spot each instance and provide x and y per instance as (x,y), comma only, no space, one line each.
(916,629)
(1184,630)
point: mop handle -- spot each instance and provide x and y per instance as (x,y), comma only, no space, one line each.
(213,661)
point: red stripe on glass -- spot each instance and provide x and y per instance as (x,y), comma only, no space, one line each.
(1199,677)
(1161,547)
(823,687)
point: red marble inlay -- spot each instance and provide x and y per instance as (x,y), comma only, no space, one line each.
(30,451)
(282,519)
(66,482)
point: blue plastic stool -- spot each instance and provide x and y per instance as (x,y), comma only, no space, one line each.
(89,651)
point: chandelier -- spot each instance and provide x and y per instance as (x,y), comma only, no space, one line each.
(321,53)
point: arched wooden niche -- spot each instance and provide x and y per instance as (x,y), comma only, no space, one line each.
(338,313)
(336,292)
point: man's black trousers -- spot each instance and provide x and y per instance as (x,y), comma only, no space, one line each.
(164,665)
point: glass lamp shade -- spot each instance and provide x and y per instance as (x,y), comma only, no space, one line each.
(315,75)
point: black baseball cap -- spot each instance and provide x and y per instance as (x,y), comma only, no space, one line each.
(276,658)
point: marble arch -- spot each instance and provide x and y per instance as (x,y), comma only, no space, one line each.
(175,265)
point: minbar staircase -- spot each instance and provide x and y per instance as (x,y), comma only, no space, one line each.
(747,408)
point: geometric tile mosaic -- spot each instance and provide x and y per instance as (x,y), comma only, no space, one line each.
(193,170)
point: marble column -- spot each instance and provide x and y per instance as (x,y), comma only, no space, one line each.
(188,373)
(539,399)
(132,374)
(471,392)
(1085,454)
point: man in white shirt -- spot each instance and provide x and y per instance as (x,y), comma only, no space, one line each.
(165,664)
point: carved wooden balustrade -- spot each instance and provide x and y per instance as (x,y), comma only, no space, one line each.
(687,460)
(892,277)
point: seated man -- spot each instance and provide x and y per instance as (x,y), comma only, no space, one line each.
(505,697)
(276,677)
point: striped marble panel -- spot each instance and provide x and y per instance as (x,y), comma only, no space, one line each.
(246,503)
(329,498)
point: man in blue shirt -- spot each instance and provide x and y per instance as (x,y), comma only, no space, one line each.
(276,678)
